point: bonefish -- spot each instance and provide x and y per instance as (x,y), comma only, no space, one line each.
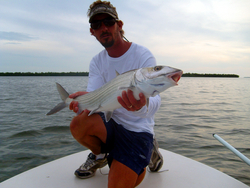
(150,81)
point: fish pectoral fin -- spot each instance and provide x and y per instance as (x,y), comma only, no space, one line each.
(93,111)
(108,115)
(155,93)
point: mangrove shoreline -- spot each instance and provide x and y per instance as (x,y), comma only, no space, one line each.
(86,74)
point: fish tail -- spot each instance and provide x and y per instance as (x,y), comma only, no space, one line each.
(64,95)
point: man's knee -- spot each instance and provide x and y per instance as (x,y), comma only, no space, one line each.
(78,128)
(83,126)
(74,126)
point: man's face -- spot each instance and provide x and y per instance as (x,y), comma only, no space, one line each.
(106,35)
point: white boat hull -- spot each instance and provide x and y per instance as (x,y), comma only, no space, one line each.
(182,173)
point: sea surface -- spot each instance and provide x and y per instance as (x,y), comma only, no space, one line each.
(190,113)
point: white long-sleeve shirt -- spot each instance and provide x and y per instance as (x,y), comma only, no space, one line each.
(103,68)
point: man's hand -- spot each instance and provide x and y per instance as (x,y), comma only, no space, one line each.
(128,101)
(74,104)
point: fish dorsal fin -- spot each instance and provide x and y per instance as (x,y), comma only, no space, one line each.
(117,73)
(108,115)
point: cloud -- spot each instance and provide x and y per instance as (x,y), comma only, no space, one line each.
(14,36)
(195,35)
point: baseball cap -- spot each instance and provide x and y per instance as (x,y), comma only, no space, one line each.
(102,9)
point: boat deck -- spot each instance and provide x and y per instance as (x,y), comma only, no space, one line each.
(182,172)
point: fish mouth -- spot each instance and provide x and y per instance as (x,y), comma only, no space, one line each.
(176,76)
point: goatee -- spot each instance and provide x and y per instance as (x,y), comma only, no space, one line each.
(107,43)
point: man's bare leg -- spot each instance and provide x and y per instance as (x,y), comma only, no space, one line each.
(89,131)
(121,176)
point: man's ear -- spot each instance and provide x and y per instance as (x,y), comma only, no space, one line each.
(91,31)
(120,24)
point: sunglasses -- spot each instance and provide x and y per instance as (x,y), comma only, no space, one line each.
(107,22)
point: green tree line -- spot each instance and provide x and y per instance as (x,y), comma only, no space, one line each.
(44,73)
(86,74)
(210,75)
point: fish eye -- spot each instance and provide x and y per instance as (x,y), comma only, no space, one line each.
(157,68)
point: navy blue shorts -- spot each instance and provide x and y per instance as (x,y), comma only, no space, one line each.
(129,148)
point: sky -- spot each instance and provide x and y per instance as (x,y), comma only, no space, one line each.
(197,36)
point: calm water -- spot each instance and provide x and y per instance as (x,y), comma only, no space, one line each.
(189,115)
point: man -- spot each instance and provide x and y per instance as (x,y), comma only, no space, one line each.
(128,137)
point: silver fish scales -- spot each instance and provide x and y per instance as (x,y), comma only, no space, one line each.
(150,81)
